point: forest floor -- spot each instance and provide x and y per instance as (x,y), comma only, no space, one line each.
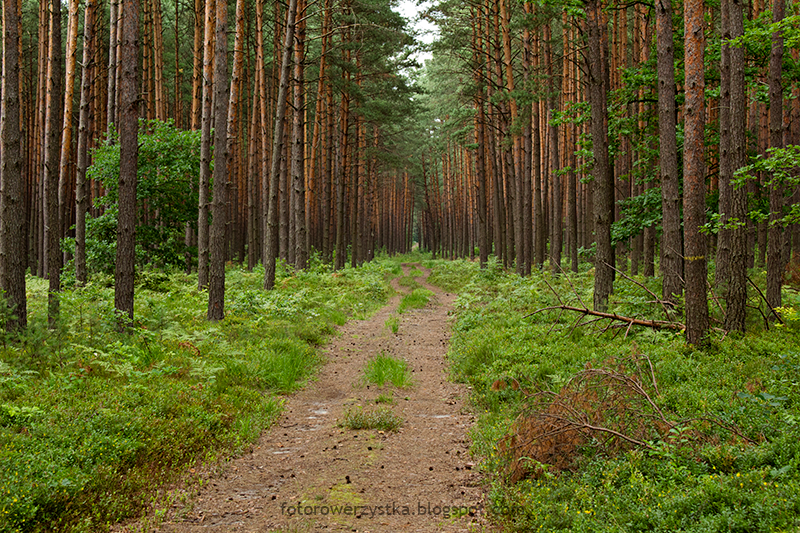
(307,473)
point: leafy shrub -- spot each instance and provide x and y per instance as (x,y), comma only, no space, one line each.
(169,161)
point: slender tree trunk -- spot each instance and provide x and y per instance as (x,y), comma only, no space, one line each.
(13,248)
(775,263)
(113,24)
(736,299)
(205,148)
(694,195)
(197,65)
(129,155)
(480,161)
(671,264)
(81,197)
(271,236)
(298,147)
(603,178)
(217,242)
(64,177)
(726,169)
(50,177)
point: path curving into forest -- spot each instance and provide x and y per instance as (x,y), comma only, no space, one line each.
(306,473)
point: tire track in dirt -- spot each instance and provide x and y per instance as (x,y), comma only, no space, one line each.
(308,474)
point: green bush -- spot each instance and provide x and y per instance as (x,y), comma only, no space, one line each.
(169,161)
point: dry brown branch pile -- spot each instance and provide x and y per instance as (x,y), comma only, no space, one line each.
(605,410)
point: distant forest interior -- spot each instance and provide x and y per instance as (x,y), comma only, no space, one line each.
(630,136)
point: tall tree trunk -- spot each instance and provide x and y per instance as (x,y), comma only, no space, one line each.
(671,264)
(64,177)
(113,24)
(81,197)
(603,178)
(197,66)
(218,244)
(694,196)
(129,155)
(726,169)
(271,236)
(298,147)
(205,148)
(50,178)
(775,264)
(13,248)
(736,298)
(480,161)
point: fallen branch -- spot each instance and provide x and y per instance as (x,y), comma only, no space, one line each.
(655,324)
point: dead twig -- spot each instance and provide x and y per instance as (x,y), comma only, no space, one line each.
(655,324)
(666,306)
(772,309)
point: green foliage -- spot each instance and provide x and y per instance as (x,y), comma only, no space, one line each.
(381,418)
(781,168)
(393,323)
(637,213)
(166,193)
(707,479)
(383,368)
(417,299)
(93,422)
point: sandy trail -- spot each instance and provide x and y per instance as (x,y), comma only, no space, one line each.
(307,474)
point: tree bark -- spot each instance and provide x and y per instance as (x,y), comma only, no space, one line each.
(113,24)
(722,263)
(271,236)
(129,155)
(217,241)
(736,298)
(775,264)
(603,178)
(13,246)
(298,148)
(694,195)
(671,264)
(205,149)
(50,177)
(81,197)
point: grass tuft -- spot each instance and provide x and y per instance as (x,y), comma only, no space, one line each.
(381,418)
(382,369)
(418,299)
(393,323)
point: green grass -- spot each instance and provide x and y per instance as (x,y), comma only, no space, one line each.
(384,369)
(385,398)
(417,299)
(393,323)
(711,480)
(93,422)
(415,273)
(380,418)
(408,281)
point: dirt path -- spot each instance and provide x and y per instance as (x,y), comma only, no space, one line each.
(307,474)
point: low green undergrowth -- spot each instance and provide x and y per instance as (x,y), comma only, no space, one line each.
(417,299)
(723,457)
(92,422)
(380,418)
(384,369)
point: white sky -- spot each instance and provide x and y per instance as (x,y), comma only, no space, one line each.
(427,31)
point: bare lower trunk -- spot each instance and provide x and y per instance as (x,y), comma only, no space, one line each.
(13,248)
(271,235)
(217,242)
